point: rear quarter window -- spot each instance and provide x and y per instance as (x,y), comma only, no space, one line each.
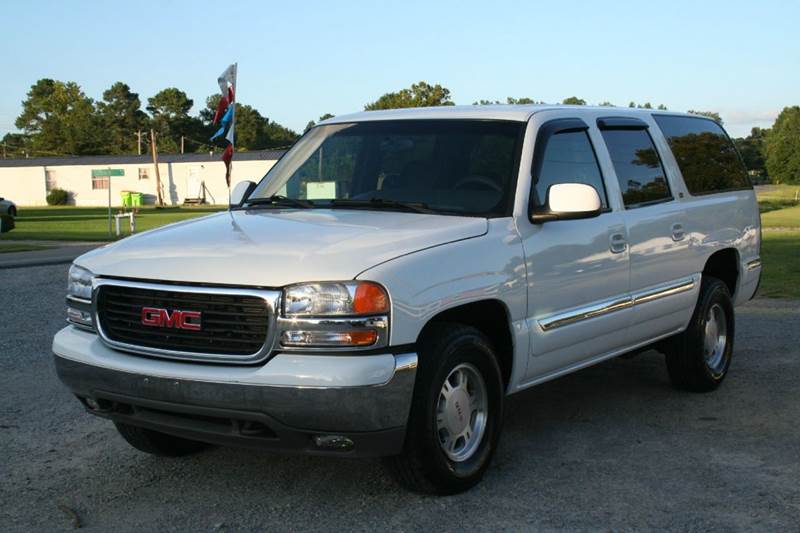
(705,154)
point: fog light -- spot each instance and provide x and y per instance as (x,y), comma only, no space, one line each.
(338,443)
(92,404)
(79,317)
(329,338)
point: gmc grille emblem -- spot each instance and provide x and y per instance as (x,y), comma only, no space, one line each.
(161,318)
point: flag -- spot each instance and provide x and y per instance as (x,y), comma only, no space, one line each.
(225,116)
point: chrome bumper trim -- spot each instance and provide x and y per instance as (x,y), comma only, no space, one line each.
(324,409)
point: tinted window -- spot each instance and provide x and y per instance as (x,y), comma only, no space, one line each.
(639,171)
(706,156)
(451,166)
(568,158)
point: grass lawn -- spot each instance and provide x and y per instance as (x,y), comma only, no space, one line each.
(774,197)
(780,254)
(65,223)
(17,247)
(780,249)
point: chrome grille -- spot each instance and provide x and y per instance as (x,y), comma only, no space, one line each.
(235,324)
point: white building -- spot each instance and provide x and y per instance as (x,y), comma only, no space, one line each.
(183,177)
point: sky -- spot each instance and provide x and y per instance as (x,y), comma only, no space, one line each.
(300,60)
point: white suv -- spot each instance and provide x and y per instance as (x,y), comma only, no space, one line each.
(397,274)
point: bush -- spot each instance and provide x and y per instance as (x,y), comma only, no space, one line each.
(57,197)
(6,223)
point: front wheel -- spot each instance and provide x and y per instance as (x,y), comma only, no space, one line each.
(456,412)
(699,358)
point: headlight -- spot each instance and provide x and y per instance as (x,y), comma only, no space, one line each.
(352,314)
(350,298)
(79,282)
(79,297)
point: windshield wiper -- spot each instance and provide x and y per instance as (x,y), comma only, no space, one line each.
(380,203)
(281,201)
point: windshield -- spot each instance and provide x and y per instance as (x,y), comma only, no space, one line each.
(464,167)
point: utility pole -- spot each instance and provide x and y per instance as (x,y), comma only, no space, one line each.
(154,151)
(181,144)
(139,141)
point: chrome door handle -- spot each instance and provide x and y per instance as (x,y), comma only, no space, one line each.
(677,232)
(618,243)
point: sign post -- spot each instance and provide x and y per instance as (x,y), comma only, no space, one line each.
(107,173)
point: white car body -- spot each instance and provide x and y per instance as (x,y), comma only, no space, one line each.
(571,293)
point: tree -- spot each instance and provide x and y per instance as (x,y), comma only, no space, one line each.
(510,100)
(606,104)
(420,94)
(752,150)
(647,105)
(58,118)
(521,101)
(14,144)
(574,100)
(170,111)
(121,117)
(783,147)
(311,123)
(713,115)
(170,103)
(253,131)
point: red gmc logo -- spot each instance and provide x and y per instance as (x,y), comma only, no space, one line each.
(161,318)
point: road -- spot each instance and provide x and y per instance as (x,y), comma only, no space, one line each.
(609,448)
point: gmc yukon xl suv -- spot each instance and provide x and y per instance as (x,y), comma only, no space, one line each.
(397,274)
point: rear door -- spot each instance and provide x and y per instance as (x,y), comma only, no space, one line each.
(661,280)
(577,270)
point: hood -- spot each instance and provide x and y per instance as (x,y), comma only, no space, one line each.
(272,248)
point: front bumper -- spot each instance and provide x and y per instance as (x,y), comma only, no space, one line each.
(298,403)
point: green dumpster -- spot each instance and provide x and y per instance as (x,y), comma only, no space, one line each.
(126,198)
(136,199)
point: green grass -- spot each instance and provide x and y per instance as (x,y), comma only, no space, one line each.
(780,249)
(65,223)
(774,197)
(788,217)
(16,247)
(780,254)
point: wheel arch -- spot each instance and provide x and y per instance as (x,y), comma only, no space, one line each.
(493,319)
(724,265)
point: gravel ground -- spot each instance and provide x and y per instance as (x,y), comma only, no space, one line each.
(609,448)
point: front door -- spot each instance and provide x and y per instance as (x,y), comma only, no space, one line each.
(578,270)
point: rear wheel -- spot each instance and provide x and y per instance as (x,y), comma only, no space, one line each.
(456,412)
(699,358)
(157,443)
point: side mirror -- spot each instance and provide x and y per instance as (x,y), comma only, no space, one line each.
(241,191)
(568,201)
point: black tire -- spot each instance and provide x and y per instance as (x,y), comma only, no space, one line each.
(423,466)
(12,211)
(686,353)
(157,443)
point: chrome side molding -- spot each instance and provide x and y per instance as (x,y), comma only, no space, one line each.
(655,294)
(605,307)
(584,313)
